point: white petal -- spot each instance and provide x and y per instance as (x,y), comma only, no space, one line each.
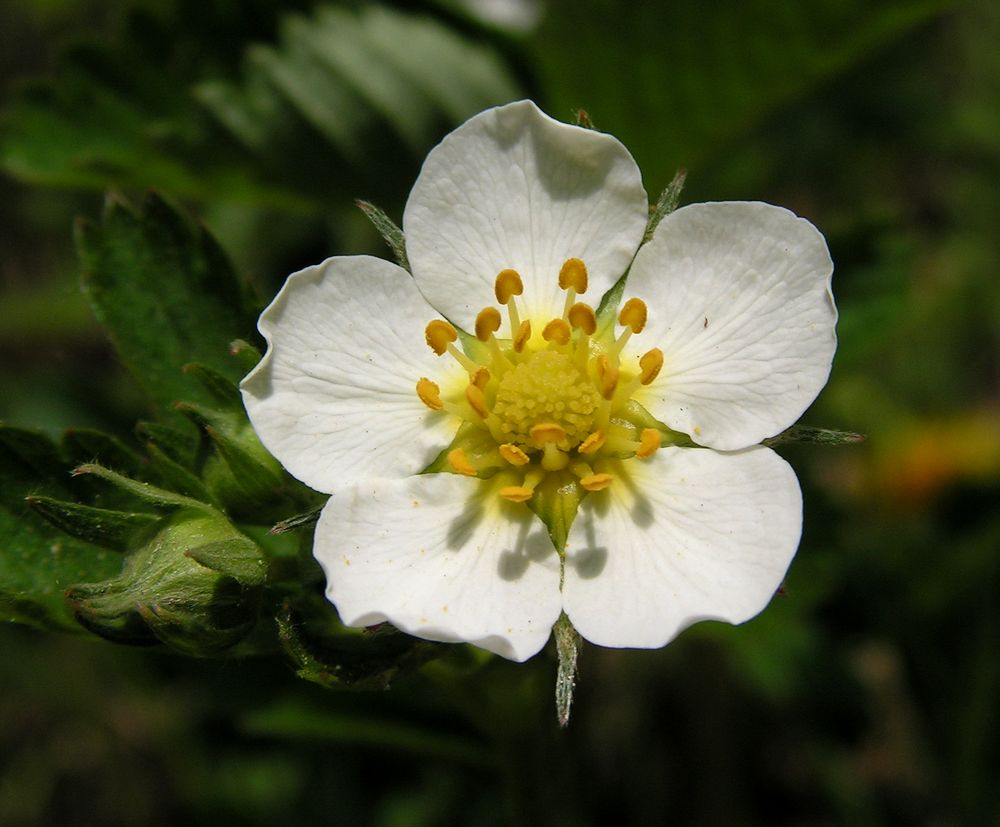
(740,304)
(513,188)
(691,535)
(334,398)
(440,558)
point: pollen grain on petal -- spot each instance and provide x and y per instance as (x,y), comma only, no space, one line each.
(573,275)
(633,315)
(439,334)
(430,394)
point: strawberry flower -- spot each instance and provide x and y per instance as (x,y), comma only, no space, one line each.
(515,431)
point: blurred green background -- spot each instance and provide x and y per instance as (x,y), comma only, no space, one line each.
(868,694)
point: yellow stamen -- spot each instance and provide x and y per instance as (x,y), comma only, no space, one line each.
(607,377)
(522,335)
(573,275)
(597,482)
(633,315)
(517,493)
(459,461)
(508,285)
(556,331)
(649,443)
(650,364)
(480,378)
(593,443)
(487,323)
(552,458)
(514,455)
(546,432)
(439,334)
(522,493)
(582,317)
(475,398)
(430,394)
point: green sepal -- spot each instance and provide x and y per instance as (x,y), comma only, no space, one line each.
(37,560)
(101,526)
(478,446)
(390,232)
(81,445)
(298,521)
(556,501)
(192,581)
(222,391)
(245,354)
(179,444)
(158,497)
(607,311)
(568,643)
(665,204)
(325,652)
(241,474)
(176,477)
(809,433)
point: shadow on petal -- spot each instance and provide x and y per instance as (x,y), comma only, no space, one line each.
(533,546)
(590,560)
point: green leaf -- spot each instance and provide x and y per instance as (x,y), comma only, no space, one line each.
(166,294)
(37,560)
(679,81)
(355,76)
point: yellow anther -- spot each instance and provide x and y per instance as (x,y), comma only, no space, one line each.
(439,334)
(582,317)
(477,401)
(607,377)
(597,482)
(633,315)
(522,335)
(487,323)
(545,432)
(508,285)
(556,331)
(593,443)
(459,461)
(650,364)
(649,442)
(430,394)
(573,275)
(517,493)
(480,378)
(514,455)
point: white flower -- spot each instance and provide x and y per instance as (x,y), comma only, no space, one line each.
(545,413)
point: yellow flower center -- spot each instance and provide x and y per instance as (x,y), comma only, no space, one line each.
(555,406)
(547,388)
